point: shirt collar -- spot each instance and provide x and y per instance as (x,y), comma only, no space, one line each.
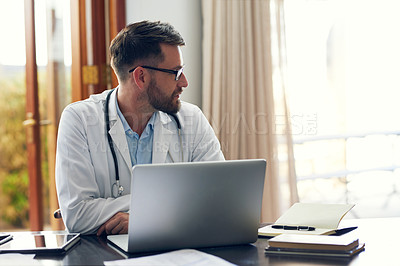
(125,124)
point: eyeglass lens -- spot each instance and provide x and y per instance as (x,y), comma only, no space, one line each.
(179,74)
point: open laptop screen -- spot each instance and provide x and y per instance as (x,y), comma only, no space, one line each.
(194,205)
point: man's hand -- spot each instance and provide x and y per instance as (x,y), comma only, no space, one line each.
(118,224)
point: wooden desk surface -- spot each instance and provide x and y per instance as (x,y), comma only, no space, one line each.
(381,236)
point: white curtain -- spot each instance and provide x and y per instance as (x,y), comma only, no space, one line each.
(243,91)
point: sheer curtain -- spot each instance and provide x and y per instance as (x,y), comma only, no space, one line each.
(243,91)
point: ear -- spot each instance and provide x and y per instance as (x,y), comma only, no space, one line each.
(141,77)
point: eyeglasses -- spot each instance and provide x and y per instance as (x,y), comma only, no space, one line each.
(178,73)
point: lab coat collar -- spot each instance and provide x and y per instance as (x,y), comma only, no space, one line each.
(117,131)
(164,129)
(162,137)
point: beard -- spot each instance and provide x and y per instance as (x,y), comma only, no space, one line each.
(162,102)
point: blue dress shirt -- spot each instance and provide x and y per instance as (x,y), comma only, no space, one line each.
(140,148)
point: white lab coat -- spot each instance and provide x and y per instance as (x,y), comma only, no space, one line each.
(85,168)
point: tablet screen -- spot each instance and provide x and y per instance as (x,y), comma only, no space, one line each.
(36,242)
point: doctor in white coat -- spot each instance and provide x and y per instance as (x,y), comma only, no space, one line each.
(147,60)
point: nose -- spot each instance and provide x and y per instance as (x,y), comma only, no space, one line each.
(183,82)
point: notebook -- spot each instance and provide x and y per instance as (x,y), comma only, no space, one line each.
(193,205)
(46,242)
(324,219)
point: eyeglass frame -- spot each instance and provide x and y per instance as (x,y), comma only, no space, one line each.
(177,73)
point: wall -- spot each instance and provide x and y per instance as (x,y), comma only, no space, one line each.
(185,16)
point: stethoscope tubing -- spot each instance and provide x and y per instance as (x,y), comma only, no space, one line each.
(120,188)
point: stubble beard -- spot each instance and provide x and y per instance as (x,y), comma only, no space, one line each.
(159,101)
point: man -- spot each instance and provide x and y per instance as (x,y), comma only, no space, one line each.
(141,121)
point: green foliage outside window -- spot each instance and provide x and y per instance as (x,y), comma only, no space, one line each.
(14,206)
(14,179)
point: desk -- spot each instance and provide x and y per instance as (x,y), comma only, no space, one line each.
(382,248)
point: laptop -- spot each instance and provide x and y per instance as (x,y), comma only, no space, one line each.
(46,242)
(193,205)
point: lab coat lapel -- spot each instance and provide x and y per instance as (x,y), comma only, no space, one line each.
(162,138)
(117,132)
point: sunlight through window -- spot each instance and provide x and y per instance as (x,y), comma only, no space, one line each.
(343,68)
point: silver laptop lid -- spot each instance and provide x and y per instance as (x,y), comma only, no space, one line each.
(193,205)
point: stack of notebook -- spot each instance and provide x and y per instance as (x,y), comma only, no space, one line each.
(314,245)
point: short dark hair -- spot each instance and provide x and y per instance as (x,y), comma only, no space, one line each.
(141,41)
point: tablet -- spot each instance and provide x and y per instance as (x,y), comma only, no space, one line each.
(46,242)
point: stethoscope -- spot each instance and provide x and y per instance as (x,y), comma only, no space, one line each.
(117,189)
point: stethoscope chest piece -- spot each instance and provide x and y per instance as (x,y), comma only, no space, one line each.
(117,189)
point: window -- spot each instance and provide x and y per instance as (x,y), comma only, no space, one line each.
(53,57)
(343,67)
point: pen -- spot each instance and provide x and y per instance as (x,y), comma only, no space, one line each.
(294,227)
(5,238)
(342,231)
